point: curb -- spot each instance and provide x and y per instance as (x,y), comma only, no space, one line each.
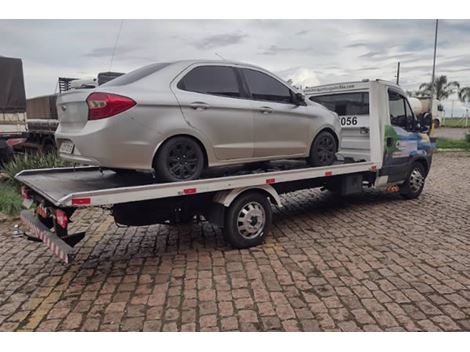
(441,150)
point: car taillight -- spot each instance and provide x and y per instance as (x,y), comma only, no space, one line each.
(103,105)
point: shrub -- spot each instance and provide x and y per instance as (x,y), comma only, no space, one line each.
(10,199)
(32,161)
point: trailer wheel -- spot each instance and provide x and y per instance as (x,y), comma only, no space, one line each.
(414,184)
(247,220)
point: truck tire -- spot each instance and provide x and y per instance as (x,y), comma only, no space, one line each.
(414,184)
(437,123)
(323,150)
(179,159)
(247,220)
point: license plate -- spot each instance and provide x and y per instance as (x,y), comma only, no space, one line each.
(66,147)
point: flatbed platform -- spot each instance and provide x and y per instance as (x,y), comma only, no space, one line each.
(91,186)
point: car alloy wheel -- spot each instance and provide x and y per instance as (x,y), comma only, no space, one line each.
(182,161)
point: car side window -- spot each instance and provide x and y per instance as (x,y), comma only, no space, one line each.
(265,88)
(215,80)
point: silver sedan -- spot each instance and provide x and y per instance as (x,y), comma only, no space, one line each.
(182,117)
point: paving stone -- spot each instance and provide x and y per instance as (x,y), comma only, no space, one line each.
(328,264)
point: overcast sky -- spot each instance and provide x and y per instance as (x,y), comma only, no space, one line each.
(310,52)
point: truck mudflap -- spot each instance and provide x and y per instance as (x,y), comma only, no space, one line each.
(61,247)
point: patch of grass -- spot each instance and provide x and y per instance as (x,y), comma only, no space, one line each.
(453,122)
(444,143)
(10,199)
(32,161)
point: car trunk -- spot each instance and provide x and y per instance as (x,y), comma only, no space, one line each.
(72,110)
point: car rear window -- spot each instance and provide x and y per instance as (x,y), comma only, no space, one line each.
(345,103)
(215,80)
(136,75)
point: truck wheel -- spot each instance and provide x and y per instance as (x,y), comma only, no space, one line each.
(437,124)
(179,159)
(247,220)
(323,150)
(414,184)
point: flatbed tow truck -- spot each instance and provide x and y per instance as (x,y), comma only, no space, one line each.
(377,151)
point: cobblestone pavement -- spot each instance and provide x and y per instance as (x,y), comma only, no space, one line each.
(370,263)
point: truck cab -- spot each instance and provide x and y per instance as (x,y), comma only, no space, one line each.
(405,146)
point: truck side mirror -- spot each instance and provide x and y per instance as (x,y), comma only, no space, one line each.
(426,120)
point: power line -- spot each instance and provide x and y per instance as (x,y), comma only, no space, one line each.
(115,44)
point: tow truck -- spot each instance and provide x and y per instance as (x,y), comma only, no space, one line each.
(383,147)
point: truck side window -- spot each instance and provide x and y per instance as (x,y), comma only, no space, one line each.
(398,110)
(410,118)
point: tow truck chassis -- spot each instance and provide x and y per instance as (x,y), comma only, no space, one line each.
(239,203)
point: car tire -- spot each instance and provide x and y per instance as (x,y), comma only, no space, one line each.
(414,183)
(247,220)
(323,150)
(179,159)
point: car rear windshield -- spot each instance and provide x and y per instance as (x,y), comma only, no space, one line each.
(345,103)
(136,75)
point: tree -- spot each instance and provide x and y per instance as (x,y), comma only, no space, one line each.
(442,88)
(464,95)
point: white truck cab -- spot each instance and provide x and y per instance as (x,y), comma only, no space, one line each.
(378,124)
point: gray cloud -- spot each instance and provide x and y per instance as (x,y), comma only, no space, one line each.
(329,50)
(220,40)
(108,51)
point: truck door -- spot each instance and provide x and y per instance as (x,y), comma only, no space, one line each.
(403,143)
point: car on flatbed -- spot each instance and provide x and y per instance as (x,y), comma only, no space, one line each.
(180,118)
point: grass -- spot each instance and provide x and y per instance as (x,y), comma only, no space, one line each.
(453,122)
(31,161)
(444,143)
(10,198)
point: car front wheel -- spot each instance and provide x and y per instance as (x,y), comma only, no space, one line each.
(179,159)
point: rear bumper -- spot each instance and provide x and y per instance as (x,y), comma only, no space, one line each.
(116,142)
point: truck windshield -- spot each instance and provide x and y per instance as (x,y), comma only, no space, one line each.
(345,103)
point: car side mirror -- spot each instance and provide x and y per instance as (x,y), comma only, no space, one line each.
(299,99)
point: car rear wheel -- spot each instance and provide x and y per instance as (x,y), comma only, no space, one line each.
(179,159)
(323,150)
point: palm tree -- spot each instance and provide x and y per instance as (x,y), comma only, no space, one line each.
(442,88)
(464,95)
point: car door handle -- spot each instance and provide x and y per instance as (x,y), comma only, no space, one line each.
(199,105)
(265,110)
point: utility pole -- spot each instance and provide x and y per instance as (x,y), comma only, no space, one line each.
(433,74)
(434,64)
(398,73)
